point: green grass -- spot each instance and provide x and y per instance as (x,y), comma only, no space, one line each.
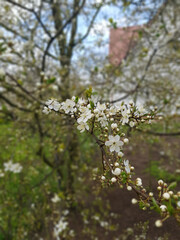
(159,173)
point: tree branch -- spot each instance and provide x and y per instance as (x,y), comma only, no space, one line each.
(59,33)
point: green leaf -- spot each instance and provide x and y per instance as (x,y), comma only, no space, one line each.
(141,205)
(155,205)
(170,208)
(124,177)
(50,80)
(96,69)
(76,99)
(88,92)
(92,105)
(172,185)
(20,82)
(111,20)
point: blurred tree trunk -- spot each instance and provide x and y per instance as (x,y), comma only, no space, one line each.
(66,52)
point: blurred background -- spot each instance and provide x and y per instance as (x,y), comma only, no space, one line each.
(50,173)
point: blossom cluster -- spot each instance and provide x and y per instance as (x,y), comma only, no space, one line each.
(91,114)
(105,122)
(12,167)
(60,227)
(85,110)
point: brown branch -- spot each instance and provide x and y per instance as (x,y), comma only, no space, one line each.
(89,28)
(59,33)
(32,11)
(140,81)
(13,104)
(24,89)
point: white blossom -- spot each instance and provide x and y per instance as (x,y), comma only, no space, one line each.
(116,172)
(113,110)
(60,227)
(125,116)
(104,224)
(94,98)
(120,154)
(126,140)
(101,107)
(85,115)
(132,124)
(166,196)
(46,110)
(83,126)
(158,223)
(141,109)
(160,182)
(138,182)
(53,104)
(129,188)
(114,125)
(81,102)
(114,143)
(131,102)
(103,178)
(103,120)
(12,167)
(163,208)
(127,167)
(134,201)
(55,199)
(68,106)
(66,212)
(113,179)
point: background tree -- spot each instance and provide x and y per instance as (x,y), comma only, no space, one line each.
(40,55)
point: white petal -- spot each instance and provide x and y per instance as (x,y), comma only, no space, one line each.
(117,138)
(117,149)
(120,143)
(108,143)
(111,138)
(112,148)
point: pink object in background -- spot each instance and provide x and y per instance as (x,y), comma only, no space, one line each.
(121,41)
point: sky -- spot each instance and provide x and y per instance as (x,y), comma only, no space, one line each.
(100,33)
(98,39)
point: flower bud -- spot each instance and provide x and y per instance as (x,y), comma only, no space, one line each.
(120,154)
(134,201)
(138,182)
(166,196)
(151,194)
(158,223)
(117,171)
(126,140)
(129,188)
(170,193)
(163,208)
(114,125)
(160,182)
(113,179)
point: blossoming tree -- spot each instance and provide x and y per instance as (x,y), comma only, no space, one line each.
(38,42)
